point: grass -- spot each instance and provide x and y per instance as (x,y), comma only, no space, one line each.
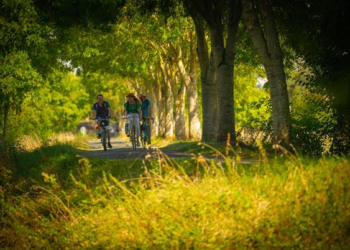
(210,148)
(57,201)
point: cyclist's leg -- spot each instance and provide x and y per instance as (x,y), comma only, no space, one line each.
(141,131)
(108,136)
(149,122)
(137,127)
(98,130)
(130,119)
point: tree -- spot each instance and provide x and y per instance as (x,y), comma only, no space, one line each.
(223,51)
(263,32)
(17,80)
(319,35)
(21,35)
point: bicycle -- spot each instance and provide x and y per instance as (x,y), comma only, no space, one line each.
(103,123)
(132,133)
(145,132)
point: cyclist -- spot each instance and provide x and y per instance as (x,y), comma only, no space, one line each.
(102,110)
(132,111)
(146,107)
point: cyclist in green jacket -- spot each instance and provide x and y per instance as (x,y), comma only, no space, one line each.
(132,111)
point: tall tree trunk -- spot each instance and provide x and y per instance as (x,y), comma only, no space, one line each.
(224,65)
(192,96)
(169,115)
(180,118)
(155,114)
(152,97)
(162,113)
(156,100)
(268,47)
(208,84)
(190,81)
(169,103)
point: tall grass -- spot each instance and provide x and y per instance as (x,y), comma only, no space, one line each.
(296,203)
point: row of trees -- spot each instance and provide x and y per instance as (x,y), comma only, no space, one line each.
(196,60)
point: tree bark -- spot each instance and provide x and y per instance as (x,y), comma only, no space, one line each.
(180,118)
(168,103)
(190,81)
(156,101)
(268,48)
(224,66)
(192,96)
(162,112)
(208,84)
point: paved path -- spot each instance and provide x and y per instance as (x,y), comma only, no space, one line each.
(122,150)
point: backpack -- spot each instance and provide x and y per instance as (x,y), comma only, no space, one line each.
(104,105)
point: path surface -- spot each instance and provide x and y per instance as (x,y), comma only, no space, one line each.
(122,150)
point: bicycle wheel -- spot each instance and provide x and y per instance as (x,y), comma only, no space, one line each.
(148,135)
(145,137)
(104,139)
(134,137)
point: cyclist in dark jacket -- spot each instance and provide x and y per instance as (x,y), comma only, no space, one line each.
(102,110)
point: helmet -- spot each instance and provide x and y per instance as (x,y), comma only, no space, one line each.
(131,95)
(142,95)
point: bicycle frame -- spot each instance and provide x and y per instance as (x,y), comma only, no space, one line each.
(144,132)
(132,128)
(102,124)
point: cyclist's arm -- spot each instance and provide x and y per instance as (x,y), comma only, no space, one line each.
(93,114)
(125,112)
(140,114)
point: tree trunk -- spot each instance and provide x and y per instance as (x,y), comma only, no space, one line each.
(169,109)
(268,47)
(168,103)
(162,114)
(208,84)
(180,118)
(156,101)
(192,96)
(190,81)
(224,66)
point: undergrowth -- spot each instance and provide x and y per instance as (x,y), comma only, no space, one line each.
(54,200)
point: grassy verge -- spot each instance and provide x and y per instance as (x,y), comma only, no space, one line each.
(212,149)
(57,201)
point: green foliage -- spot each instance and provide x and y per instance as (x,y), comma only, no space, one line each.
(58,105)
(247,97)
(19,27)
(312,118)
(83,13)
(17,80)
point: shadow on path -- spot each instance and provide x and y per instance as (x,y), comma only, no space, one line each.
(122,150)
